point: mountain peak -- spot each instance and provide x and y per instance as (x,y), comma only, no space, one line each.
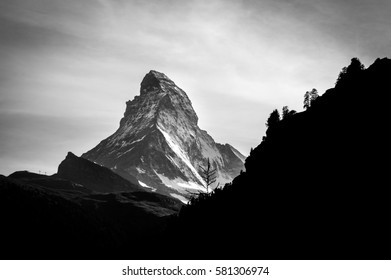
(160,144)
(71,155)
(154,80)
(158,75)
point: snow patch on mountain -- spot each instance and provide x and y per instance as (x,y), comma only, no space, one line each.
(138,140)
(121,154)
(190,185)
(139,170)
(180,153)
(180,185)
(146,186)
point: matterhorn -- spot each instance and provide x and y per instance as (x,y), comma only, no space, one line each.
(159,145)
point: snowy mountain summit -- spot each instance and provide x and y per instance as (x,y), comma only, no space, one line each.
(160,146)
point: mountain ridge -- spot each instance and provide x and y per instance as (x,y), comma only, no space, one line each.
(96,178)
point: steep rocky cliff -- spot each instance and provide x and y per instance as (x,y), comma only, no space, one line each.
(160,146)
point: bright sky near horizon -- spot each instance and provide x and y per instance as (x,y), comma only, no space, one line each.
(68,67)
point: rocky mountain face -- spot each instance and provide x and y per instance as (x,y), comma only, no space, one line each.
(160,146)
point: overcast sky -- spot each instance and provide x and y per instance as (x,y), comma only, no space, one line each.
(68,67)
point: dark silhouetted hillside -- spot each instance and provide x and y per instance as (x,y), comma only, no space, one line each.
(48,217)
(316,187)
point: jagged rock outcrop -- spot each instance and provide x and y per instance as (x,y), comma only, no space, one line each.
(159,144)
(92,176)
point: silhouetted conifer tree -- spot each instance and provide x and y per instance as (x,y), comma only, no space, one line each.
(273,118)
(287,113)
(309,97)
(355,67)
(208,173)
